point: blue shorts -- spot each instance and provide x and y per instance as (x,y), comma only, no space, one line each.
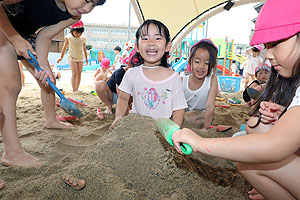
(115,98)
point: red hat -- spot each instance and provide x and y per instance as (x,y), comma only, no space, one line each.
(105,62)
(261,67)
(277,20)
(259,47)
(78,24)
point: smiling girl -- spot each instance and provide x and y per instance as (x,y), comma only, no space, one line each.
(157,90)
(201,87)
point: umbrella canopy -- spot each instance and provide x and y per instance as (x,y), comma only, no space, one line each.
(181,17)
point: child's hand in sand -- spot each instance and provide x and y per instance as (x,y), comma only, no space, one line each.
(270,112)
(185,136)
(114,123)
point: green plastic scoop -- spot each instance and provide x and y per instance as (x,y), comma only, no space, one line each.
(167,127)
(65,103)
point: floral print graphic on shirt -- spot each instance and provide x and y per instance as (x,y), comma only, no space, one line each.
(152,99)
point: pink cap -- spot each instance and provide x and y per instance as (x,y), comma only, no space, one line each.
(277,20)
(78,24)
(105,62)
(259,47)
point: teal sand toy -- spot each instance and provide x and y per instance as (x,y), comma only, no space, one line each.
(167,127)
(65,104)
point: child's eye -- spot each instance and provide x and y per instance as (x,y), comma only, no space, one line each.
(158,38)
(144,38)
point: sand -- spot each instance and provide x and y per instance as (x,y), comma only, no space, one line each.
(132,161)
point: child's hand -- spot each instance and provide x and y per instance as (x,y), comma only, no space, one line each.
(270,112)
(185,136)
(21,46)
(114,123)
(44,74)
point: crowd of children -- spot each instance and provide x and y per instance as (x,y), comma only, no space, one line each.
(268,156)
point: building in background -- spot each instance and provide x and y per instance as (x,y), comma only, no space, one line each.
(104,37)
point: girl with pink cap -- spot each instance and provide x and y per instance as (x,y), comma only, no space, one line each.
(103,72)
(271,161)
(77,52)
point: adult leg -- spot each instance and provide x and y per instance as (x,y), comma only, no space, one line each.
(78,78)
(278,180)
(10,86)
(105,94)
(195,117)
(74,70)
(48,101)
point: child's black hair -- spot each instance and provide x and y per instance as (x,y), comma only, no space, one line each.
(279,90)
(254,49)
(163,30)
(117,48)
(212,51)
(78,30)
(100,2)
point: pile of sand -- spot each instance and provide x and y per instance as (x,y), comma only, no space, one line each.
(132,161)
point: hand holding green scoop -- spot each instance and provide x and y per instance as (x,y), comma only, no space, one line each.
(167,127)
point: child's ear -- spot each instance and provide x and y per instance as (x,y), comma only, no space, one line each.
(168,47)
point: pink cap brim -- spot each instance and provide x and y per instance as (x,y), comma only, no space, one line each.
(274,34)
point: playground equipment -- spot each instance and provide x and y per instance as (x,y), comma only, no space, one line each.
(180,65)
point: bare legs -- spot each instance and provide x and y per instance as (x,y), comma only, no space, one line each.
(278,180)
(76,68)
(10,86)
(22,74)
(48,101)
(105,94)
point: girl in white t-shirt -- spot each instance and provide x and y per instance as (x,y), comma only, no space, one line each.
(156,90)
(77,52)
(201,87)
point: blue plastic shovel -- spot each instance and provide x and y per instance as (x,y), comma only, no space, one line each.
(65,103)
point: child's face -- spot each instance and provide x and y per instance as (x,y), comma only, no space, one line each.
(200,63)
(117,52)
(255,54)
(79,7)
(104,69)
(263,75)
(152,46)
(282,55)
(76,34)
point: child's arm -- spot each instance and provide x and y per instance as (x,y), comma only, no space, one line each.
(85,54)
(210,104)
(63,50)
(280,142)
(96,74)
(122,105)
(116,58)
(20,45)
(178,117)
(43,42)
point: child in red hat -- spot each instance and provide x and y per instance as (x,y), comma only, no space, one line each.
(103,73)
(75,40)
(269,157)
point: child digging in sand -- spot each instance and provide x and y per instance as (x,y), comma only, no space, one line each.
(18,34)
(270,161)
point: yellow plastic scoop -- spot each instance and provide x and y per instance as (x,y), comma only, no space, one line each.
(167,127)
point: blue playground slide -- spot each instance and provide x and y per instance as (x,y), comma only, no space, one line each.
(180,65)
